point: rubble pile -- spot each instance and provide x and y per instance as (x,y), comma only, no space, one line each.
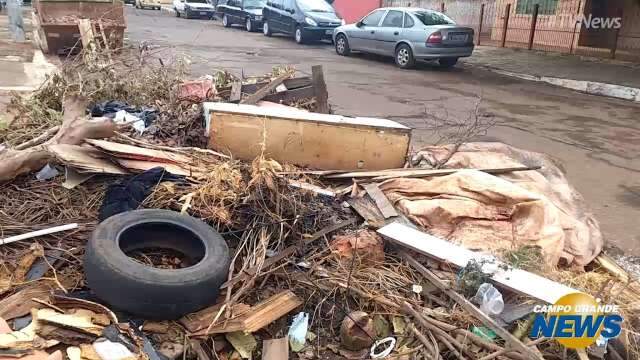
(332,253)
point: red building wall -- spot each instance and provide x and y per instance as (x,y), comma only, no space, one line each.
(354,10)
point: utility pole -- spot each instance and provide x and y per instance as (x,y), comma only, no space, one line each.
(16,23)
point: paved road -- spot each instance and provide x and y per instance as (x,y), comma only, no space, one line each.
(596,139)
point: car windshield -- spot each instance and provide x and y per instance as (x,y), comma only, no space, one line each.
(315,6)
(432,18)
(254,4)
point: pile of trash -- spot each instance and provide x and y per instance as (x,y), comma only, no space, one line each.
(331,240)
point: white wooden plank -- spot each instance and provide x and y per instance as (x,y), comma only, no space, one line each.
(283,113)
(515,279)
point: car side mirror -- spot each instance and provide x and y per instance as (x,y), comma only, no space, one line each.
(359,24)
(291,11)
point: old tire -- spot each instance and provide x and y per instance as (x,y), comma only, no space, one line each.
(404,57)
(266,29)
(150,292)
(342,45)
(447,62)
(249,25)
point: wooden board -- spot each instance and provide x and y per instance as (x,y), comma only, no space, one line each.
(367,209)
(139,153)
(20,303)
(203,318)
(265,90)
(517,280)
(313,188)
(385,206)
(257,317)
(139,166)
(320,89)
(415,173)
(306,139)
(292,95)
(236,92)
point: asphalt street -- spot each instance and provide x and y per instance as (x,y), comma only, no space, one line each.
(596,139)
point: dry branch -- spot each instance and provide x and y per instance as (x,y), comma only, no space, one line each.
(74,129)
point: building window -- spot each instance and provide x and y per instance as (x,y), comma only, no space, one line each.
(547,7)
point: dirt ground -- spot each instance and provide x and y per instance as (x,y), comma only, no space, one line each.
(596,139)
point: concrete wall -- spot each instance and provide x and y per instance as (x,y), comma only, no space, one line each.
(354,10)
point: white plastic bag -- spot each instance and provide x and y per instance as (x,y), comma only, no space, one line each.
(298,331)
(489,299)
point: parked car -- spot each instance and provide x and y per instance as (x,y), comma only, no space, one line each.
(407,34)
(245,12)
(151,4)
(305,20)
(193,9)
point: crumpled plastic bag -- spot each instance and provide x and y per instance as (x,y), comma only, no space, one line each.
(298,331)
(112,107)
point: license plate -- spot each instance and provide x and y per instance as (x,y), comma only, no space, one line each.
(328,32)
(203,13)
(458,37)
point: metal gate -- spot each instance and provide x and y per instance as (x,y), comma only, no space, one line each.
(547,25)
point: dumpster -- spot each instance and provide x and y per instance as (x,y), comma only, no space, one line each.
(56,23)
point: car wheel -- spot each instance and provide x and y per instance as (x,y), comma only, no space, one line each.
(249,25)
(342,45)
(266,29)
(115,276)
(299,35)
(177,12)
(448,62)
(225,21)
(404,57)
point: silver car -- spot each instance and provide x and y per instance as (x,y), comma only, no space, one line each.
(407,34)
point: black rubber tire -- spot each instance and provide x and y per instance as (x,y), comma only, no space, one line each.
(346,50)
(410,60)
(301,39)
(248,24)
(266,29)
(163,294)
(225,21)
(447,62)
(177,12)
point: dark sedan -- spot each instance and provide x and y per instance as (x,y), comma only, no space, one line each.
(245,12)
(305,20)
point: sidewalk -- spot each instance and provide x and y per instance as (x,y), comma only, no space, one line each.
(589,75)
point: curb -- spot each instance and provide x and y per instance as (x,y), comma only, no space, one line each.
(588,87)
